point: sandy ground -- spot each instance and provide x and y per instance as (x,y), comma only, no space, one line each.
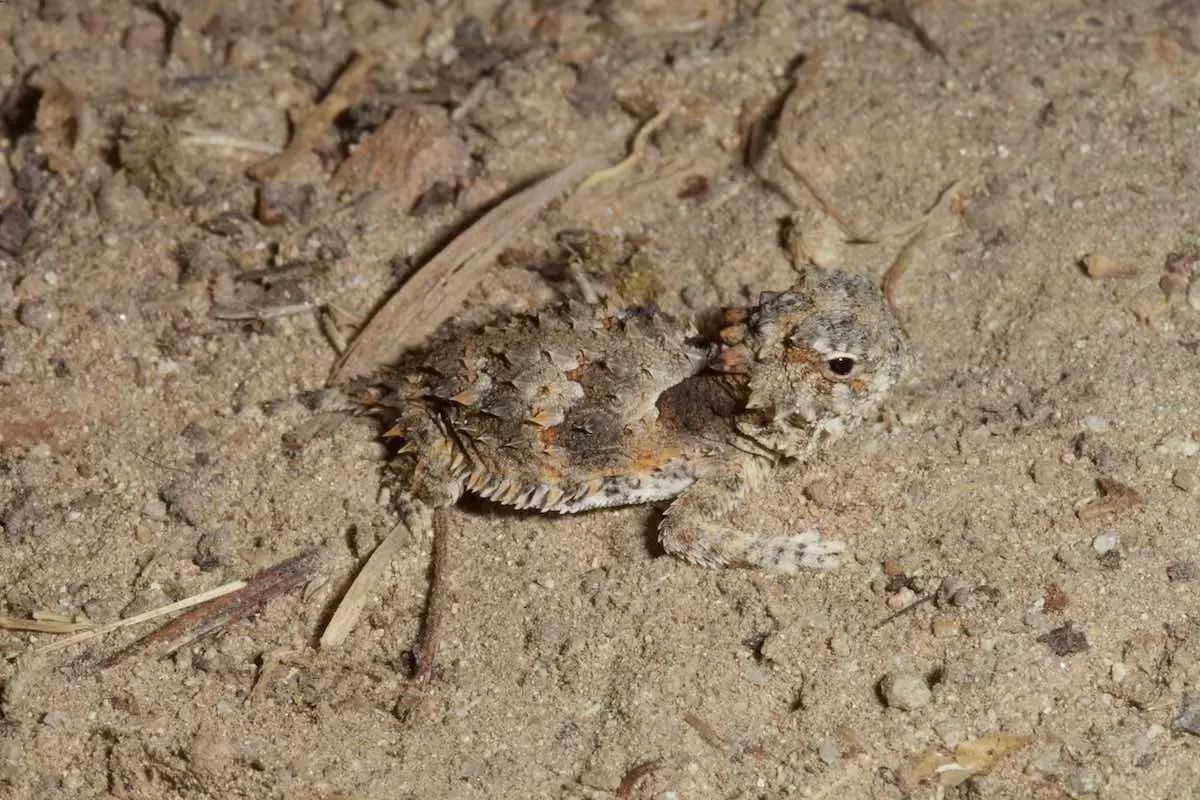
(1035,484)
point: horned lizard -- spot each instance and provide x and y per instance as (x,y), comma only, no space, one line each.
(589,406)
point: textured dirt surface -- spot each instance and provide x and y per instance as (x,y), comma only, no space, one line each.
(1036,484)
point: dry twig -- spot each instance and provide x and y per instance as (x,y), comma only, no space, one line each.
(224,610)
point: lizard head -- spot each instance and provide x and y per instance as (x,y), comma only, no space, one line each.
(817,359)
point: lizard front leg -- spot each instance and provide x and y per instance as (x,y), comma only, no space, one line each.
(703,527)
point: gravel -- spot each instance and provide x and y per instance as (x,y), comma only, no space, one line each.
(905,690)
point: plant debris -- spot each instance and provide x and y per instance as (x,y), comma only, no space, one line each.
(970,758)
(352,602)
(635,776)
(636,151)
(310,130)
(1115,498)
(435,292)
(219,612)
(47,623)
(1065,640)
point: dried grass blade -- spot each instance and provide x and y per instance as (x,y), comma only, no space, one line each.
(351,606)
(180,605)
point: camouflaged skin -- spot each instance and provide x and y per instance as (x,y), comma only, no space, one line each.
(581,407)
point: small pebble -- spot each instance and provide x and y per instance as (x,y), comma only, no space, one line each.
(1105,543)
(122,205)
(1174,444)
(951,731)
(7,295)
(1173,284)
(820,492)
(829,752)
(1099,265)
(1036,618)
(902,599)
(904,690)
(39,315)
(1182,571)
(1082,783)
(1042,471)
(1185,479)
(55,719)
(1119,672)
(155,509)
(1188,718)
(1095,424)
(946,626)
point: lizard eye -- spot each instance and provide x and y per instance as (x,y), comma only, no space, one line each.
(841,366)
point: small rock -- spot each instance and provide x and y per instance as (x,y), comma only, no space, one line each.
(1047,760)
(1148,304)
(820,492)
(210,753)
(155,509)
(1101,266)
(21,518)
(828,751)
(904,690)
(200,260)
(188,47)
(15,227)
(1036,619)
(1042,471)
(212,550)
(1119,671)
(592,581)
(1174,444)
(244,53)
(1188,718)
(8,297)
(952,731)
(1105,543)
(284,202)
(39,315)
(1173,284)
(1095,424)
(946,626)
(1083,782)
(902,599)
(55,719)
(1185,479)
(121,205)
(1182,571)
